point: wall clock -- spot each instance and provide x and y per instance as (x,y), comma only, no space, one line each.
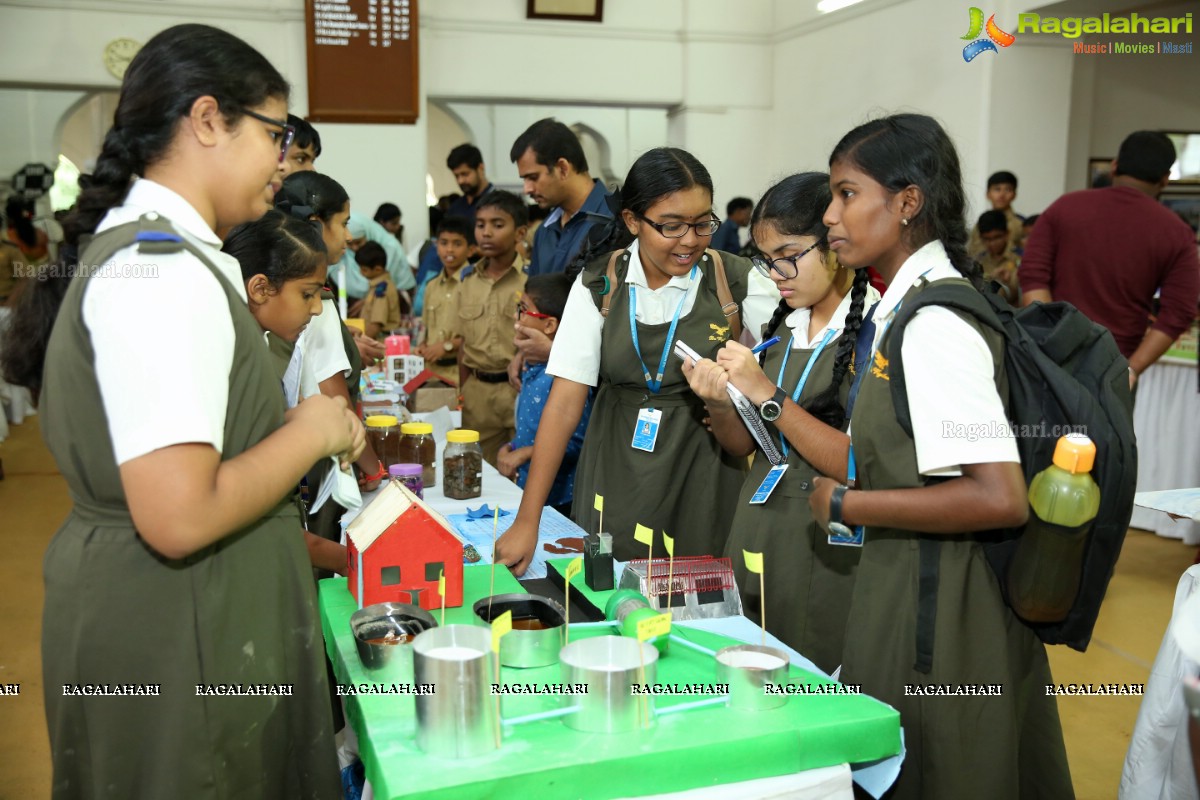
(117,55)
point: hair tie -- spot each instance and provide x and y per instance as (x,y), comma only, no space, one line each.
(301,212)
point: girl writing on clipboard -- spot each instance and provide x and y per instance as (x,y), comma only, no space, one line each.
(810,577)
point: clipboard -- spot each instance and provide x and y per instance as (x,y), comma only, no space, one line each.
(746,410)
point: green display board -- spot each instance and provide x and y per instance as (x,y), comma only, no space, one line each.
(546,759)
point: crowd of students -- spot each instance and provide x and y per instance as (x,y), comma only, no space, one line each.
(181,562)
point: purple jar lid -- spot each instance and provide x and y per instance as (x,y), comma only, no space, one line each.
(404,470)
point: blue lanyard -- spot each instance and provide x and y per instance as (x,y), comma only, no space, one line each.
(655,383)
(803,376)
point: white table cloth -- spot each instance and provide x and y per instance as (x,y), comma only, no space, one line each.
(1166,419)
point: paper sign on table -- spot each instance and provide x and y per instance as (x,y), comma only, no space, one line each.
(643,534)
(658,625)
(753,561)
(500,626)
(574,568)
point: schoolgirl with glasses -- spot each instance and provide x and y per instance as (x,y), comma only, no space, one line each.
(810,575)
(649,281)
(180,566)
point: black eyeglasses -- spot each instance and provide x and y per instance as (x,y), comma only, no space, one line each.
(286,137)
(677,230)
(765,265)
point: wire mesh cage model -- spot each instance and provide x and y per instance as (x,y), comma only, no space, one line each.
(697,587)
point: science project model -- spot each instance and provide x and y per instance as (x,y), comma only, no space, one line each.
(398,548)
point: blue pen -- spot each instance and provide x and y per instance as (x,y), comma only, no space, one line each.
(764,345)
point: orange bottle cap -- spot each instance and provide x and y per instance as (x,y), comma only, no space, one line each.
(1075,453)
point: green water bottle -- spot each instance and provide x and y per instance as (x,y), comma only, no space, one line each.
(1043,578)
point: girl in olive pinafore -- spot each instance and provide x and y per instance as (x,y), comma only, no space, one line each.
(687,487)
(116,612)
(207,633)
(967,676)
(807,580)
(683,484)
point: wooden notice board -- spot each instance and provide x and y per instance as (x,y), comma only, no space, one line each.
(362,60)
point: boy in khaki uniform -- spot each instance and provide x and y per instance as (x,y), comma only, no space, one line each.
(485,305)
(1001,191)
(997,258)
(381,305)
(440,351)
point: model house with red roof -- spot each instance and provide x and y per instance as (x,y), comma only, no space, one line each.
(397,548)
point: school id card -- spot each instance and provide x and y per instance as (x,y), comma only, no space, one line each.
(763,492)
(645,432)
(854,539)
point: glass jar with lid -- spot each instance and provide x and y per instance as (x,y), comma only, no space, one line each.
(383,432)
(409,475)
(417,447)
(462,465)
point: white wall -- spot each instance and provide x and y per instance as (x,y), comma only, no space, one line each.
(1028,130)
(626,132)
(618,78)
(30,119)
(757,88)
(842,74)
(644,59)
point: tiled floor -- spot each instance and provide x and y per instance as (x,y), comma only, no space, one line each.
(33,501)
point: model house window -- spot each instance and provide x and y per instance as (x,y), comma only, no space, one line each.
(389,576)
(433,569)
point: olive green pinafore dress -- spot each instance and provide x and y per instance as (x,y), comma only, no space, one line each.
(239,612)
(1002,747)
(688,486)
(807,580)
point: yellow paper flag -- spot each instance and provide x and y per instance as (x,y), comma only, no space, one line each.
(442,583)
(650,627)
(643,534)
(753,561)
(669,543)
(500,626)
(574,568)
(599,503)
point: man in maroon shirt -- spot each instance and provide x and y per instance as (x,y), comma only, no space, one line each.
(1107,251)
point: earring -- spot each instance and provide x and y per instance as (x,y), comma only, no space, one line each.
(904,222)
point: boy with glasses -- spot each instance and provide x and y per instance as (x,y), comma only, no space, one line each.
(541,307)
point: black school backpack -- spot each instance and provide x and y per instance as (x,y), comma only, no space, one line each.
(1065,373)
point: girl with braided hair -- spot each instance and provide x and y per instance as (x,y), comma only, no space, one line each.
(926,609)
(178,569)
(819,315)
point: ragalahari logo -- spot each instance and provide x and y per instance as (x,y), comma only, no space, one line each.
(995,36)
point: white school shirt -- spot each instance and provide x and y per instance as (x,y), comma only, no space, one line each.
(797,321)
(299,383)
(575,354)
(957,415)
(298,379)
(163,341)
(324,351)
